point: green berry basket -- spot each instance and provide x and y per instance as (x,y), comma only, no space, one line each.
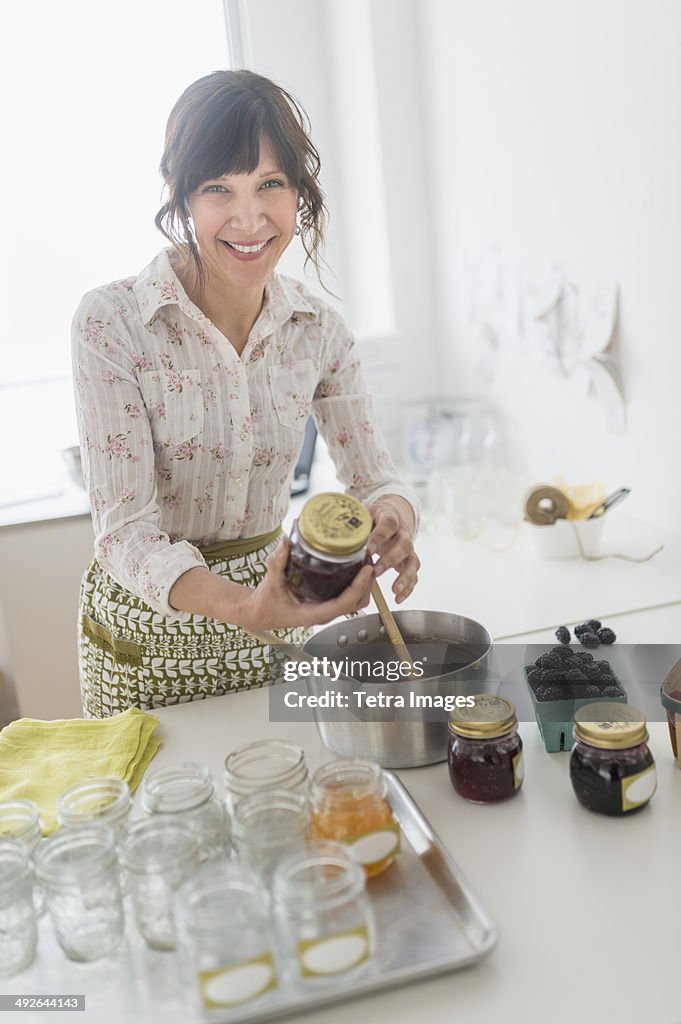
(670,696)
(556,716)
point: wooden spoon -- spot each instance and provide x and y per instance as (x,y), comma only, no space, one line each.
(391,627)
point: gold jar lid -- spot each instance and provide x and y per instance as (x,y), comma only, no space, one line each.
(610,725)
(489,717)
(335,523)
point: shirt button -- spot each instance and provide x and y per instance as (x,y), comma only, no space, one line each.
(238,481)
(245,435)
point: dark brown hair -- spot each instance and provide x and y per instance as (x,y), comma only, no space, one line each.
(216,128)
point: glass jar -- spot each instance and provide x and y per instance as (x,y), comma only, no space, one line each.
(20,819)
(266,825)
(158,855)
(187,791)
(79,872)
(328,546)
(349,804)
(97,799)
(323,914)
(18,930)
(611,767)
(226,937)
(485,752)
(265,764)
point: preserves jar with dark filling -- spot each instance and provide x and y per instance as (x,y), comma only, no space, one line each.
(611,767)
(485,752)
(328,546)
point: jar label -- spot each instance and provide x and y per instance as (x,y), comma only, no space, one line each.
(372,847)
(638,789)
(518,770)
(238,983)
(335,953)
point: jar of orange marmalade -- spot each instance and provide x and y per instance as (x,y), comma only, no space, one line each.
(349,804)
(328,546)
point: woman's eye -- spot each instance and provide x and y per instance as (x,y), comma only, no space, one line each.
(215,188)
(273,183)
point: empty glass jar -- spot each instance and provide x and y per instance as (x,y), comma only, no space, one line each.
(225,934)
(265,764)
(78,869)
(20,819)
(186,791)
(98,799)
(18,931)
(266,825)
(158,855)
(323,913)
(349,804)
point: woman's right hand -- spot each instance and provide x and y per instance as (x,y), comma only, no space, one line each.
(271,605)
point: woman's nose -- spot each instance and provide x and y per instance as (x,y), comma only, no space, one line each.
(247,215)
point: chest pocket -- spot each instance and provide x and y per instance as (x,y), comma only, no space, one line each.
(293,388)
(174,401)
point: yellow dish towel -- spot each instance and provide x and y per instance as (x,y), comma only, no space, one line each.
(39,760)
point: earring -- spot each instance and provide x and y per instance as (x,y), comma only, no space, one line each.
(297,231)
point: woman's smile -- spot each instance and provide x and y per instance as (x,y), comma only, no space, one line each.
(247,250)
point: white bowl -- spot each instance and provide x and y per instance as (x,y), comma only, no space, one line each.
(559,539)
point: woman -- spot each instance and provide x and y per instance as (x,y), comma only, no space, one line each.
(193,385)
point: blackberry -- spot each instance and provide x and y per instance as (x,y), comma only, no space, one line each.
(606,636)
(564,653)
(603,668)
(533,676)
(592,691)
(583,656)
(613,691)
(548,660)
(589,639)
(563,634)
(574,675)
(590,626)
(554,693)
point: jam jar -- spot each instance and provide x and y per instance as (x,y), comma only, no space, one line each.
(485,752)
(328,546)
(611,767)
(349,803)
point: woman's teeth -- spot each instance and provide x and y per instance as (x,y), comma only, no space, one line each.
(247,248)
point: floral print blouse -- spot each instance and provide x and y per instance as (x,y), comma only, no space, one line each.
(185,443)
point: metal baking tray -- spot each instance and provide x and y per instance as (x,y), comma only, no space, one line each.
(428,921)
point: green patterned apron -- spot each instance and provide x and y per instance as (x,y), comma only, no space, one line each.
(132,656)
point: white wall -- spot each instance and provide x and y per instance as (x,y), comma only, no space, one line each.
(554,135)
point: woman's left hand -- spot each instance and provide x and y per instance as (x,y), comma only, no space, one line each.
(391,539)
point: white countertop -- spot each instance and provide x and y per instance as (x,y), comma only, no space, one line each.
(583,904)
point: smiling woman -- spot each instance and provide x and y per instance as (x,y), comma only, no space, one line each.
(194,383)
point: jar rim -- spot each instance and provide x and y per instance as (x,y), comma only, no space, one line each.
(278,760)
(202,897)
(54,861)
(79,803)
(22,811)
(319,889)
(610,725)
(177,787)
(348,777)
(489,717)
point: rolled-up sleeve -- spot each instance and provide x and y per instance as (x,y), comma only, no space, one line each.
(343,411)
(118,459)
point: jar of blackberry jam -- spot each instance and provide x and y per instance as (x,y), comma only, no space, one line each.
(611,767)
(485,751)
(328,546)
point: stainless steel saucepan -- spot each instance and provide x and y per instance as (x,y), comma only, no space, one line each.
(455,653)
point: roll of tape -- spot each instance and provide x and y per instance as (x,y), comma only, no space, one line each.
(545,504)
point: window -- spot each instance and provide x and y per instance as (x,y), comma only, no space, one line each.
(88,87)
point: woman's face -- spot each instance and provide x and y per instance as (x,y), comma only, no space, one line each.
(243,223)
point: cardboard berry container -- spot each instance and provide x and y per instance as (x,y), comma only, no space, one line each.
(556,718)
(670,696)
